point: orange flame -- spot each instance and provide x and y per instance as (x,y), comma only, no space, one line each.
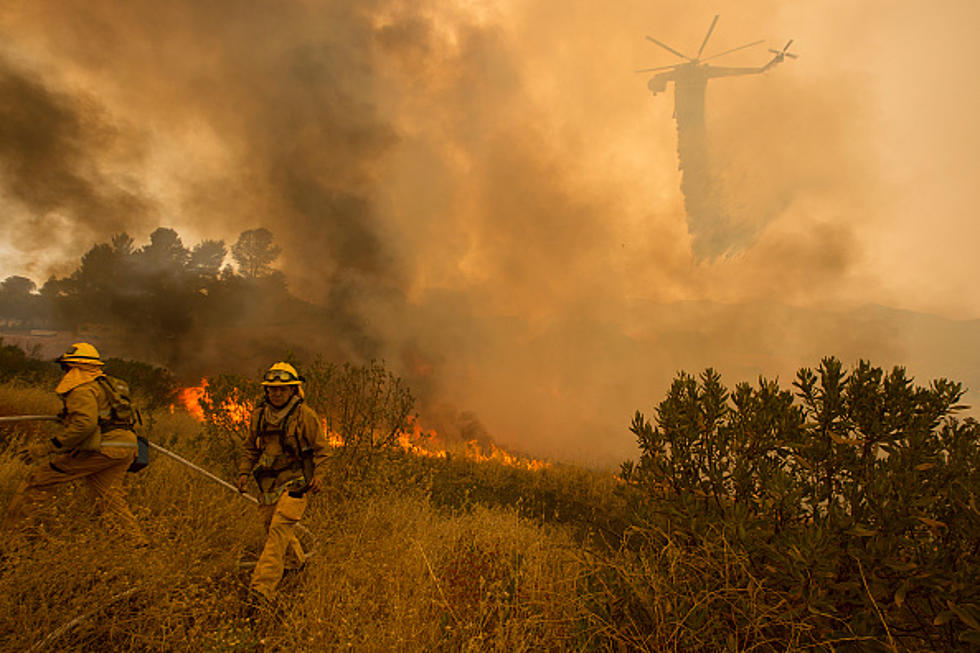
(190,399)
(237,412)
(414,439)
(428,443)
(194,398)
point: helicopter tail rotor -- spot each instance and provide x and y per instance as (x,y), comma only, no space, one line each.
(784,52)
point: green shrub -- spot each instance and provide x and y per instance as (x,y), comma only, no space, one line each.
(853,499)
(15,363)
(153,386)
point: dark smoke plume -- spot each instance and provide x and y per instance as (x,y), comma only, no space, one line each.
(51,146)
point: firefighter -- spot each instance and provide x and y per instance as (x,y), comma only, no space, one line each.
(284,452)
(97,445)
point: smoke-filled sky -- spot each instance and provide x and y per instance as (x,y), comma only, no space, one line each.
(492,188)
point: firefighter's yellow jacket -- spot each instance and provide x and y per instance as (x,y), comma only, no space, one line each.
(85,406)
(274,450)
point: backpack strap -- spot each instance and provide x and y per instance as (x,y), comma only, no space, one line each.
(116,401)
(260,424)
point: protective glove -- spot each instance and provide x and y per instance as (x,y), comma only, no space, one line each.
(315,486)
(34,453)
(242,483)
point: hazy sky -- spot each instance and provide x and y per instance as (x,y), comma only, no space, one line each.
(497,191)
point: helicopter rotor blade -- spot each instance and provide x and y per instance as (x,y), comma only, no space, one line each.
(741,47)
(650,70)
(668,48)
(707,36)
(788,43)
(792,56)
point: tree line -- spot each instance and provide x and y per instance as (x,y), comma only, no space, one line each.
(159,292)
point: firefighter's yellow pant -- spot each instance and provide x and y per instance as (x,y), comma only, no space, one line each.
(102,473)
(279,521)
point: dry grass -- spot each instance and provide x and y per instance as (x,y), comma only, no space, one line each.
(390,572)
(664,595)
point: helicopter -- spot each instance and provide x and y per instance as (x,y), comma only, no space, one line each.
(712,229)
(695,71)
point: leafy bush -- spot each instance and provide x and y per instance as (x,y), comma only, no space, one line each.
(15,363)
(853,499)
(155,386)
(367,406)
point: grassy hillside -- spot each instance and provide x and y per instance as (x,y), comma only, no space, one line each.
(419,553)
(410,554)
(391,569)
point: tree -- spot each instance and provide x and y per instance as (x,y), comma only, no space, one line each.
(99,270)
(61,303)
(17,286)
(165,253)
(18,300)
(207,256)
(122,243)
(104,283)
(254,252)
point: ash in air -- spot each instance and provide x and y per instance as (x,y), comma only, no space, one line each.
(713,230)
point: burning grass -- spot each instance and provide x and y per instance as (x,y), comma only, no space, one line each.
(230,410)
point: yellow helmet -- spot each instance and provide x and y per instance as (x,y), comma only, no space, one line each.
(281,373)
(81,352)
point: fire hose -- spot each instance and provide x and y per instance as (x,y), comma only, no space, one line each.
(165,452)
(29,418)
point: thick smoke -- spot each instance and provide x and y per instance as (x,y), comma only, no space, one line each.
(486,195)
(55,192)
